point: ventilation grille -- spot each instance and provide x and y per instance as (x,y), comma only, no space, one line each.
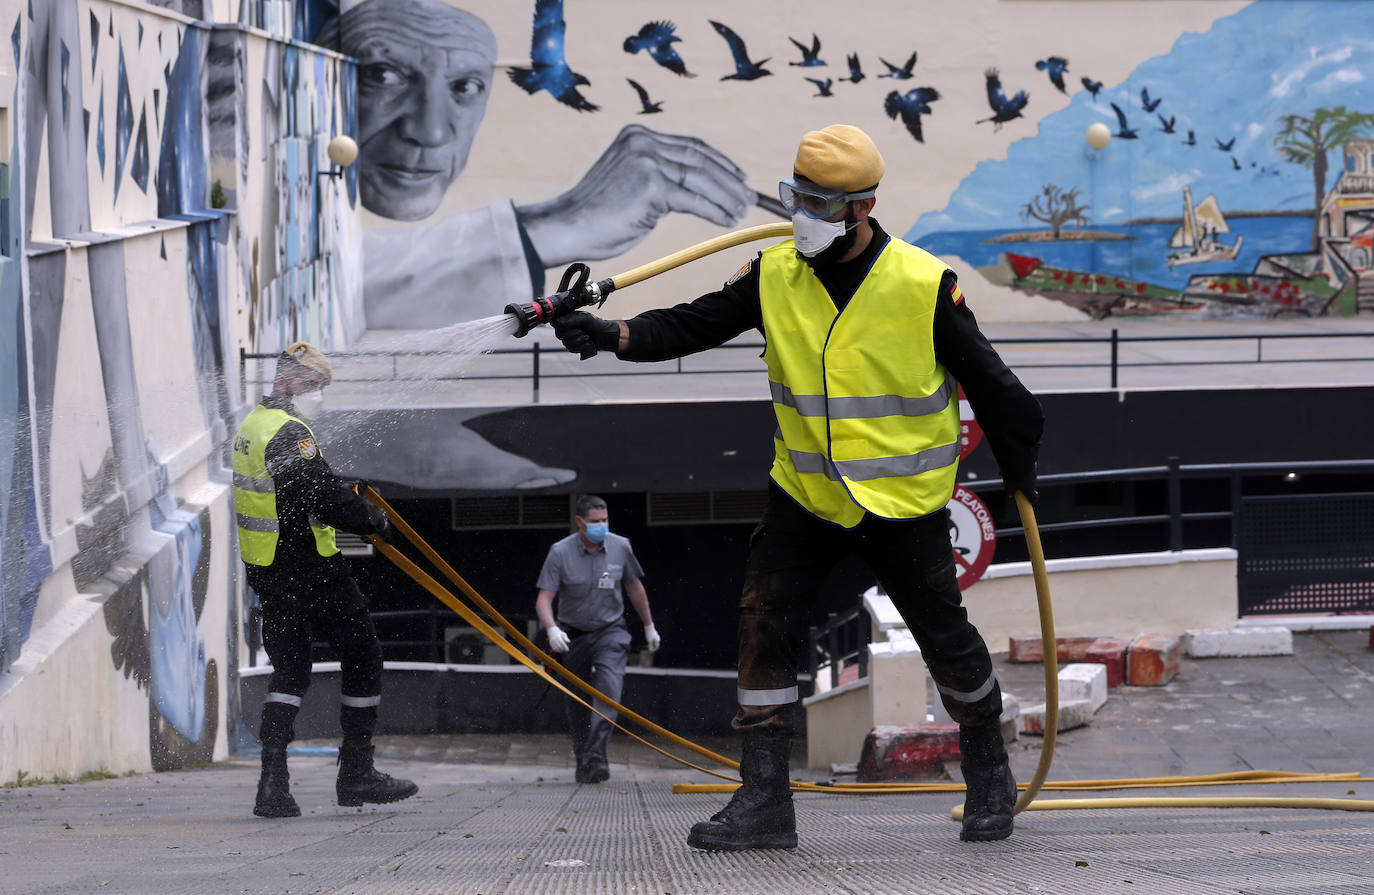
(353,545)
(534,511)
(698,507)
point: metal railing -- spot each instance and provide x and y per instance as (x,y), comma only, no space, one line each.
(1112,344)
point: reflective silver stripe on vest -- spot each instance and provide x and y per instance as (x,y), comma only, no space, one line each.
(253,483)
(972,695)
(256,523)
(929,459)
(862,408)
(283,697)
(769,697)
(360,702)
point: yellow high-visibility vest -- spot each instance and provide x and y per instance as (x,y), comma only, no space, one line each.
(255,493)
(868,420)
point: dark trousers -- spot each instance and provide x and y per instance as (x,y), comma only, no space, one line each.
(338,613)
(599,658)
(790,554)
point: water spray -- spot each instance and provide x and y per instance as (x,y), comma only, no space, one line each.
(575,291)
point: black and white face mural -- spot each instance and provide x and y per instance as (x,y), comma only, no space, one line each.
(425,73)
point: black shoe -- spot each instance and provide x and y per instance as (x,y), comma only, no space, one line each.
(593,772)
(989,803)
(274,787)
(360,782)
(748,822)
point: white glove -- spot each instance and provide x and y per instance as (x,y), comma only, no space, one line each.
(652,638)
(558,640)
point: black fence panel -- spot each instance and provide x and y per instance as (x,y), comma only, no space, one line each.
(1306,553)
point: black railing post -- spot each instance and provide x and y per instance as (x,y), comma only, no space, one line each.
(814,666)
(1235,509)
(1115,349)
(534,349)
(1259,349)
(832,648)
(1175,506)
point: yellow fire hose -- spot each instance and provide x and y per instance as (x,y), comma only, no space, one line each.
(523,648)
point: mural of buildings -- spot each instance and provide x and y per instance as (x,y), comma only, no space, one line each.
(166,202)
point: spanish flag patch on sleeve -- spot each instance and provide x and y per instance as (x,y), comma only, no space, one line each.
(955,294)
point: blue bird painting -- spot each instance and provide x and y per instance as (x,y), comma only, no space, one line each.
(745,69)
(902,72)
(646,107)
(1122,129)
(1149,105)
(910,107)
(1166,124)
(810,55)
(1225,147)
(1003,109)
(1091,86)
(823,86)
(1191,141)
(1056,67)
(658,38)
(549,67)
(856,72)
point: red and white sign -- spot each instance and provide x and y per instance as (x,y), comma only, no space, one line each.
(972,534)
(970,433)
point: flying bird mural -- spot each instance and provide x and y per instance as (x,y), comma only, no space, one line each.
(1123,129)
(1191,141)
(1091,86)
(1225,147)
(1166,124)
(899,72)
(646,106)
(910,107)
(810,55)
(658,39)
(1056,67)
(1149,105)
(856,72)
(745,69)
(549,69)
(823,86)
(1003,109)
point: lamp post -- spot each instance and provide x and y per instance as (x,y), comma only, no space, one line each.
(1098,136)
(342,151)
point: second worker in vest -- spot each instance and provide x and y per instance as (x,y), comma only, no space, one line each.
(868,338)
(288,503)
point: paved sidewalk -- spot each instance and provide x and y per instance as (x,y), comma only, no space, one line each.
(501,814)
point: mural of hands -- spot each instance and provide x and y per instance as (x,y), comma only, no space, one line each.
(642,175)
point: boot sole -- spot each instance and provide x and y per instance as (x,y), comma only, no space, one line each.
(277,812)
(355,801)
(984,835)
(771,840)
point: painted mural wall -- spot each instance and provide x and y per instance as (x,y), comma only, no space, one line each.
(161,212)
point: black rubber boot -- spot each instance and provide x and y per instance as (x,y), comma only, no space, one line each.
(760,814)
(991,789)
(274,786)
(360,782)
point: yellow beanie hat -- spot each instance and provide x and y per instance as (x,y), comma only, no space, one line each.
(310,357)
(840,157)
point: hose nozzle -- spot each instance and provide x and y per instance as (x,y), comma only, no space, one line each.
(573,292)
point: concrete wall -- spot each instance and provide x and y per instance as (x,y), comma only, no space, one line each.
(159,212)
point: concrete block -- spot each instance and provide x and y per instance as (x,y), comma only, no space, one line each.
(1011,717)
(1257,641)
(1109,652)
(1153,660)
(1083,680)
(1072,713)
(1028,648)
(891,752)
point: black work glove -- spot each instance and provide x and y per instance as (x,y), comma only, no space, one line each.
(382,526)
(585,334)
(1022,480)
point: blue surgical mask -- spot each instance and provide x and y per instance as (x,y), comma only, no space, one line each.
(597,531)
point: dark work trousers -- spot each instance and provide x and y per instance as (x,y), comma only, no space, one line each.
(599,658)
(790,554)
(338,613)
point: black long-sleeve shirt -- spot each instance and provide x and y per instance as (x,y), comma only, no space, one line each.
(307,489)
(1010,416)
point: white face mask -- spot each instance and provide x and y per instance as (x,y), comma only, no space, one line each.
(812,236)
(309,404)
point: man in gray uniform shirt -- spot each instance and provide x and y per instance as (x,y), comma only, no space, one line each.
(590,572)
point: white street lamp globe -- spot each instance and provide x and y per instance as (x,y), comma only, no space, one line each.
(343,151)
(1099,135)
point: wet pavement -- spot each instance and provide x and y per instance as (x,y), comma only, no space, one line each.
(501,814)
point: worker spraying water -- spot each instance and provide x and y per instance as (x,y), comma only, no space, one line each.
(866,336)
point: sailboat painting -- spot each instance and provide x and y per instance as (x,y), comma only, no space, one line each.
(1196,236)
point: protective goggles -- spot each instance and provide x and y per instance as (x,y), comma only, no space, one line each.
(818,202)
